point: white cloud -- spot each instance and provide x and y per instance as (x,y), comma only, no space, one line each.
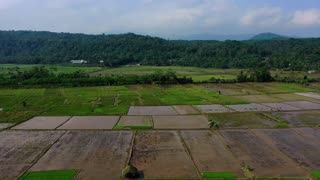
(308,17)
(262,17)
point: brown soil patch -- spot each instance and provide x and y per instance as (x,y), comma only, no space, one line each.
(161,155)
(91,122)
(181,122)
(310,133)
(98,155)
(253,151)
(185,109)
(301,150)
(43,122)
(135,121)
(20,149)
(209,153)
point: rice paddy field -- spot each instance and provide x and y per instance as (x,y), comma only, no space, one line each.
(18,105)
(194,131)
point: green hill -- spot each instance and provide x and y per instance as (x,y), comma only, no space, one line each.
(29,47)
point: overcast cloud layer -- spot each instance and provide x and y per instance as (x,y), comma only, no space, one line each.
(164,18)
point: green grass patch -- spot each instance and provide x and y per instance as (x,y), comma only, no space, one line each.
(50,175)
(315,174)
(219,175)
(134,127)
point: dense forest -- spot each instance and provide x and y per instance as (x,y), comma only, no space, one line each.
(29,47)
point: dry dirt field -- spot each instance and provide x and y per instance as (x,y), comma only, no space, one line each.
(97,154)
(161,155)
(303,151)
(209,153)
(91,122)
(43,122)
(266,161)
(181,122)
(20,149)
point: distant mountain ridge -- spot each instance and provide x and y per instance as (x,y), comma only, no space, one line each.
(269,36)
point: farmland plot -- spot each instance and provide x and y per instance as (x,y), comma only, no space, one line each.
(312,95)
(132,122)
(304,105)
(260,99)
(310,133)
(281,106)
(242,120)
(302,150)
(161,155)
(20,149)
(214,108)
(181,122)
(209,153)
(91,122)
(44,122)
(249,107)
(254,152)
(299,118)
(98,155)
(185,109)
(151,110)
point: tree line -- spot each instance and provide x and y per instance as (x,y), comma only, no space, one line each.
(29,47)
(41,76)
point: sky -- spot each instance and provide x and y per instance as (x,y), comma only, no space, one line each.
(164,18)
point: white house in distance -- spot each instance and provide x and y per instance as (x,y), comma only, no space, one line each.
(312,71)
(81,61)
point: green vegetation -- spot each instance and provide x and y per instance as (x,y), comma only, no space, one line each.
(27,47)
(218,175)
(102,100)
(50,175)
(240,120)
(134,127)
(315,174)
(130,172)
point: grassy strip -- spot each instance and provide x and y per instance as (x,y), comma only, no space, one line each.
(219,175)
(49,175)
(134,127)
(316,174)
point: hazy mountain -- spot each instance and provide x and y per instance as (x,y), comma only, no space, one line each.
(268,36)
(207,36)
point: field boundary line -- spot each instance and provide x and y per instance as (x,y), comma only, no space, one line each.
(43,153)
(188,153)
(63,123)
(131,147)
